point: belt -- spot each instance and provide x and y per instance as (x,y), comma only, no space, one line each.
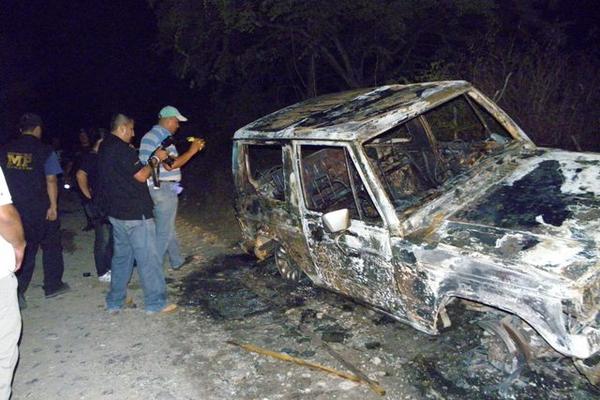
(161,180)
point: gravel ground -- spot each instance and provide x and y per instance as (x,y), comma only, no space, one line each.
(72,349)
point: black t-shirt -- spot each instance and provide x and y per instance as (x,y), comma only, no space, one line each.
(122,195)
(89,165)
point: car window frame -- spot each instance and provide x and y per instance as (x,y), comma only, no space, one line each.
(351,157)
(248,171)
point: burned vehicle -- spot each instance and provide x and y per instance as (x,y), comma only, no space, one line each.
(410,197)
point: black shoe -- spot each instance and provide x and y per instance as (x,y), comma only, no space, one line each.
(63,288)
(22,301)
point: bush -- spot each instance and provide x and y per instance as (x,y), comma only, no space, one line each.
(553,95)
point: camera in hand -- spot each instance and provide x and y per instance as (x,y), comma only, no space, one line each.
(169,140)
(170,160)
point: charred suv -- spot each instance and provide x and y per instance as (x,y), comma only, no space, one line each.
(409,197)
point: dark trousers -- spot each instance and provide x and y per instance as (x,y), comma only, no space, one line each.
(44,233)
(103,241)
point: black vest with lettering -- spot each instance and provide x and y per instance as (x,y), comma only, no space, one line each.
(23,162)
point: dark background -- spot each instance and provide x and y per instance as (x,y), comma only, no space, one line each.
(78,62)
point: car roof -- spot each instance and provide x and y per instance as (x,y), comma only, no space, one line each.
(352,115)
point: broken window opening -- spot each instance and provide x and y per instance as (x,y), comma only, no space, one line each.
(417,157)
(265,170)
(495,129)
(331,182)
(464,133)
(406,163)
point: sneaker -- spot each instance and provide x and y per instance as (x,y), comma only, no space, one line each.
(63,288)
(22,301)
(105,277)
(169,308)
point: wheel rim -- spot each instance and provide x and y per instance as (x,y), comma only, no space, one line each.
(284,265)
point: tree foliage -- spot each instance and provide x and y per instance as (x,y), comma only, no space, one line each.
(280,51)
(313,46)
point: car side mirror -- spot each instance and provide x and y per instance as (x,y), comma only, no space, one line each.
(337,221)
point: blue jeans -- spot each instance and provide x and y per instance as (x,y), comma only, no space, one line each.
(165,210)
(136,239)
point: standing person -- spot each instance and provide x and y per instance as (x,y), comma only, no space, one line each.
(12,248)
(72,161)
(123,190)
(87,180)
(165,197)
(83,149)
(31,170)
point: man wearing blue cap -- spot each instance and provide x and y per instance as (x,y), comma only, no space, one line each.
(165,196)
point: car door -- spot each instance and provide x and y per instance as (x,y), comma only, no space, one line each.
(264,197)
(356,261)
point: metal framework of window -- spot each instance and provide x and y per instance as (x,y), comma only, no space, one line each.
(331,182)
(264,165)
(417,157)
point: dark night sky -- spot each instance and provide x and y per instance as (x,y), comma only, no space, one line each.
(78,62)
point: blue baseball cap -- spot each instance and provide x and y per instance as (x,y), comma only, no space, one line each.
(169,112)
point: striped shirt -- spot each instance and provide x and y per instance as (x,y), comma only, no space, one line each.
(150,142)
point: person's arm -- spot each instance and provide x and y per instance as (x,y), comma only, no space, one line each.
(148,144)
(52,188)
(180,161)
(144,173)
(51,169)
(11,230)
(82,181)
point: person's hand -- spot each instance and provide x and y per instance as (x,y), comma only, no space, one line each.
(197,145)
(161,154)
(51,214)
(19,254)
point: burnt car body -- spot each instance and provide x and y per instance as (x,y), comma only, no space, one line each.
(408,197)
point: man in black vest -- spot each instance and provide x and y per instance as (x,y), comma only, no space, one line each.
(31,168)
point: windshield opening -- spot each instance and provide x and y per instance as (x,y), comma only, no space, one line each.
(415,159)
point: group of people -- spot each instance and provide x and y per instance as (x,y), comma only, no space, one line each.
(137,212)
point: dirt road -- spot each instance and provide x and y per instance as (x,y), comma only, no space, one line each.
(72,349)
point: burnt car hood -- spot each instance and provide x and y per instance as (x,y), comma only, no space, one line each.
(545,214)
